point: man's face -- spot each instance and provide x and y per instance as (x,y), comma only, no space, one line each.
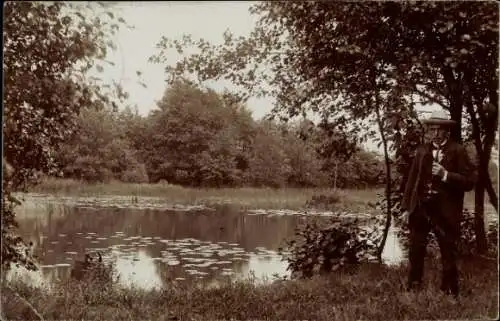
(436,133)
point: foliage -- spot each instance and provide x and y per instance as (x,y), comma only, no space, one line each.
(341,244)
(467,246)
(198,137)
(14,249)
(362,170)
(195,140)
(48,48)
(306,165)
(268,164)
(327,202)
(99,150)
(96,273)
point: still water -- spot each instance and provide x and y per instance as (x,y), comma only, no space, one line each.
(153,245)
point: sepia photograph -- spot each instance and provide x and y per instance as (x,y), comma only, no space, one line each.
(250,160)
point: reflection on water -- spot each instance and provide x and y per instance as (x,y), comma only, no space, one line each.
(393,253)
(272,265)
(139,272)
(150,247)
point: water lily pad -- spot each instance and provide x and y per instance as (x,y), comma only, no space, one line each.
(47,266)
(223,262)
(171,262)
(223,252)
(204,264)
(196,272)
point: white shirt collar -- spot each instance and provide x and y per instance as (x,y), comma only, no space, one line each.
(440,146)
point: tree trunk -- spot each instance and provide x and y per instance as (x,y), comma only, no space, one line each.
(456,115)
(455,97)
(483,159)
(479,226)
(486,156)
(489,126)
(388,184)
(492,195)
(335,177)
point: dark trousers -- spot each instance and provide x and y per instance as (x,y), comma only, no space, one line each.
(428,216)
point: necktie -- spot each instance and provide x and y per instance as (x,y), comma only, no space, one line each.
(436,153)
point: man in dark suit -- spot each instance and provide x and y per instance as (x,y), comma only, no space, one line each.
(433,197)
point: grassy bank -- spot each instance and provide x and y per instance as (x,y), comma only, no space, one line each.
(374,293)
(265,198)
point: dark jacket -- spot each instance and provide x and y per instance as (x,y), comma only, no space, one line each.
(461,178)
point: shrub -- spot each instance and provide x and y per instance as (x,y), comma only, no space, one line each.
(135,174)
(14,249)
(324,201)
(340,244)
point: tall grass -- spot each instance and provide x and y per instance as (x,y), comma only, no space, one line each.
(284,198)
(375,292)
(355,200)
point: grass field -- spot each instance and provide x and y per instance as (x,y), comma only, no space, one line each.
(373,293)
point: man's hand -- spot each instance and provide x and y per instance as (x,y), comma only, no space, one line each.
(405,218)
(438,169)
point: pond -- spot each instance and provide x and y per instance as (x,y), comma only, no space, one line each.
(152,243)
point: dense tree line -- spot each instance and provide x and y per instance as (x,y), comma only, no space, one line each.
(200,138)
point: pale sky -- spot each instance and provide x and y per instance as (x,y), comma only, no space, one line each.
(152,20)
